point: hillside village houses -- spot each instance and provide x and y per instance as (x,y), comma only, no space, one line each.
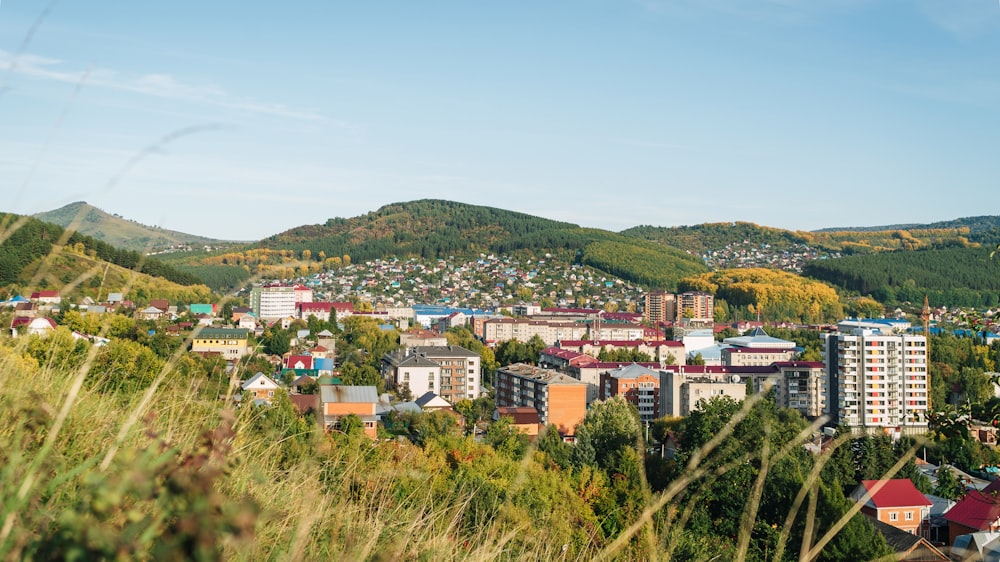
(437,294)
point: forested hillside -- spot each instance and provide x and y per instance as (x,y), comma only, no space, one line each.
(701,238)
(771,293)
(438,229)
(949,276)
(25,240)
(704,238)
(971,224)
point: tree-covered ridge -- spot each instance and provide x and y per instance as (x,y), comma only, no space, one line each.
(768,292)
(117,231)
(28,240)
(970,224)
(701,238)
(949,276)
(426,228)
(649,265)
(706,238)
(439,229)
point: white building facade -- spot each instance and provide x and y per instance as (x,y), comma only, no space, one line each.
(877,382)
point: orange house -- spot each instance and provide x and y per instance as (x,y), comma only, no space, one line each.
(338,400)
(896,502)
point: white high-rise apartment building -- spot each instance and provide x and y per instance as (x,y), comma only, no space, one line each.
(273,301)
(877,382)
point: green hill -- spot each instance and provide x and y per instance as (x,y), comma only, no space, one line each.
(701,238)
(26,246)
(959,276)
(437,229)
(119,232)
(973,224)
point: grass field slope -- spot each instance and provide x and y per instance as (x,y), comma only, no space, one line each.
(117,231)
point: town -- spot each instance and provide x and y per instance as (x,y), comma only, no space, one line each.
(495,343)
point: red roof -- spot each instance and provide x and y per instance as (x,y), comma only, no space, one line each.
(306,360)
(561,353)
(519,414)
(899,492)
(44,294)
(977,510)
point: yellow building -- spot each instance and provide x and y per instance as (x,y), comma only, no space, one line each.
(230,343)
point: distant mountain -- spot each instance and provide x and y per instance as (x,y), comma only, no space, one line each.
(974,224)
(119,232)
(433,228)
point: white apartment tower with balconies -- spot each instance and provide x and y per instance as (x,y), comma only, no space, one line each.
(877,382)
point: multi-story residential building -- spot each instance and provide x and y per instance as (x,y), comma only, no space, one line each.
(695,389)
(660,306)
(230,343)
(682,386)
(450,371)
(638,385)
(325,311)
(603,330)
(754,356)
(502,329)
(272,302)
(877,381)
(417,337)
(559,399)
(302,293)
(801,385)
(696,305)
(660,351)
(409,370)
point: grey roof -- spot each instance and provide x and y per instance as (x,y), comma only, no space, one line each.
(444,351)
(256,378)
(759,338)
(432,400)
(532,372)
(344,393)
(632,371)
(407,407)
(903,542)
(401,358)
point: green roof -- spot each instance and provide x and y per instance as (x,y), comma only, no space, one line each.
(223,333)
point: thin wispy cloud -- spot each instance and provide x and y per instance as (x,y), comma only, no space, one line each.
(155,84)
(963,18)
(772,11)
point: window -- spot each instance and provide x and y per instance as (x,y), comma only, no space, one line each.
(893,516)
(908,516)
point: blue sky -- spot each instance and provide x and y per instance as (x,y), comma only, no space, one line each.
(241,120)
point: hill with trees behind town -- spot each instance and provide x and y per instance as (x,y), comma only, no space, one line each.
(893,265)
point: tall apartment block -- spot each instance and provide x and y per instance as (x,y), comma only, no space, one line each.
(273,301)
(559,399)
(660,306)
(696,305)
(877,382)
